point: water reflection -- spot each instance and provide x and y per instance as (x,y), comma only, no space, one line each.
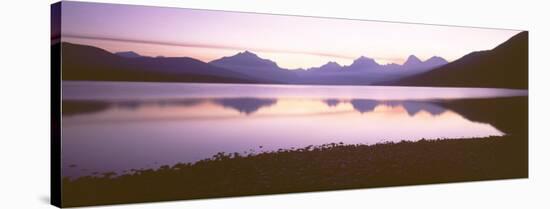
(245,105)
(364,105)
(120,135)
(117,126)
(332,102)
(413,107)
(248,106)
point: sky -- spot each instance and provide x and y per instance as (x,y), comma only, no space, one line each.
(291,41)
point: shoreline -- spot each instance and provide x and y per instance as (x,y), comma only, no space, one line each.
(326,167)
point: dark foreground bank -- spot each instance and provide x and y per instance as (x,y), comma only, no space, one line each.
(329,167)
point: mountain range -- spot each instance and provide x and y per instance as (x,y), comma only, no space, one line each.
(251,64)
(82,62)
(505,66)
(412,65)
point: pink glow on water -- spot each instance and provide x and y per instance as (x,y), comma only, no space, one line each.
(145,125)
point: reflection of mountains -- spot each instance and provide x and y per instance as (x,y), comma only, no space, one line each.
(412,107)
(247,106)
(332,102)
(243,105)
(159,103)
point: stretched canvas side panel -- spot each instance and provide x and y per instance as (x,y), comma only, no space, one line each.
(55,88)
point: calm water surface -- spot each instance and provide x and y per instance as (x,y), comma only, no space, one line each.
(117,126)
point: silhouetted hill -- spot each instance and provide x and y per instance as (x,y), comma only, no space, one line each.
(81,62)
(251,64)
(413,63)
(328,67)
(246,61)
(362,63)
(366,71)
(505,66)
(368,65)
(435,61)
(128,54)
(363,70)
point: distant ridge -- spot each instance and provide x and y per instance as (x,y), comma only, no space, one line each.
(412,61)
(251,64)
(413,65)
(247,60)
(128,54)
(328,67)
(362,63)
(81,62)
(505,66)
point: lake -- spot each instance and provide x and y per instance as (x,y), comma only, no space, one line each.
(118,126)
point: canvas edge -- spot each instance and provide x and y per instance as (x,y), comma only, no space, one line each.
(55,105)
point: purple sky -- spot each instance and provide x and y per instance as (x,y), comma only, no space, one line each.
(291,41)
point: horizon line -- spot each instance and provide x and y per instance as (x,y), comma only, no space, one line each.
(245,50)
(240,49)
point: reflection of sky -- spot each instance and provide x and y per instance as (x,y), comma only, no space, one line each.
(83,90)
(137,134)
(290,41)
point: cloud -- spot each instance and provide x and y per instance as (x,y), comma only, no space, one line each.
(217,46)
